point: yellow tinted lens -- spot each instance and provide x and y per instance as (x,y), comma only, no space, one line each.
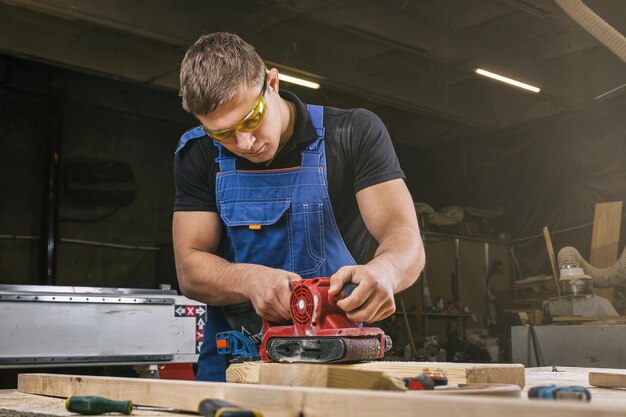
(251,122)
(255,118)
(223,135)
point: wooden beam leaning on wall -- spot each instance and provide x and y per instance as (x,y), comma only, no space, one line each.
(294,401)
(607,221)
(346,375)
(553,261)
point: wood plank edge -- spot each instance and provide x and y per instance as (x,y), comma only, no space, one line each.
(292,401)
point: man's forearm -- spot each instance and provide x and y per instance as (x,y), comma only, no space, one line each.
(401,255)
(211,279)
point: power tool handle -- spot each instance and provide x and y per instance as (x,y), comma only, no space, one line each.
(347,290)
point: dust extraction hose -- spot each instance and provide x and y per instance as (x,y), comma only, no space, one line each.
(595,25)
(602,277)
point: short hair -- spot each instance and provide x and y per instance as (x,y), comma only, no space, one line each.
(214,70)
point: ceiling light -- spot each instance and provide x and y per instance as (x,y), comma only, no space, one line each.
(508,80)
(298,81)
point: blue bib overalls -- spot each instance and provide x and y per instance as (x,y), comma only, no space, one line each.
(278,218)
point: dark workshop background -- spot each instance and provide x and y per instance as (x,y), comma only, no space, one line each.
(97,83)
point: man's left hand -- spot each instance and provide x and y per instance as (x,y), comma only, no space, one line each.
(372,300)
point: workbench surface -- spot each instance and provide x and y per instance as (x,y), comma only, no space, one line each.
(16,404)
(567,375)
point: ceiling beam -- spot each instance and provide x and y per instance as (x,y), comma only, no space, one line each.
(566,44)
(143,22)
(528,8)
(97,50)
(476,15)
(326,40)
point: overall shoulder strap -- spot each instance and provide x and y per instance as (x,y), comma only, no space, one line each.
(313,153)
(191,134)
(227,162)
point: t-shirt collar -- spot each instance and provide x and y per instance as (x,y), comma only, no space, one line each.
(303,130)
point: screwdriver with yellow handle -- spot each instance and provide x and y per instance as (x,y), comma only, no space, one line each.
(220,408)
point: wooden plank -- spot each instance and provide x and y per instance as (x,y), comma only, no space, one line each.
(311,402)
(329,376)
(607,379)
(591,319)
(553,266)
(457,373)
(498,390)
(607,221)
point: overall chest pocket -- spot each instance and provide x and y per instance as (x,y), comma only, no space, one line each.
(259,232)
(277,234)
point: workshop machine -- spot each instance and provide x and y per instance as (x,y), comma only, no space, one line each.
(320,331)
(576,287)
(45,326)
(588,345)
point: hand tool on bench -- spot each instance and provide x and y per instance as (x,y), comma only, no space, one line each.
(424,382)
(555,392)
(220,408)
(419,383)
(94,405)
(321,331)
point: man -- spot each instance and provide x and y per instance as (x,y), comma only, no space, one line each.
(269,191)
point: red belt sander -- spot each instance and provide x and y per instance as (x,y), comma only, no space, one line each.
(320,331)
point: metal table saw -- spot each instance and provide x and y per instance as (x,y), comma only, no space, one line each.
(45,326)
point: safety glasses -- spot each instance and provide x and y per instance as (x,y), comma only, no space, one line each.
(250,123)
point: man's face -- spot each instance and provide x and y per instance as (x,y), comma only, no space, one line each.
(261,144)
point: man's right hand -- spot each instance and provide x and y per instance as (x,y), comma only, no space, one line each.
(269,292)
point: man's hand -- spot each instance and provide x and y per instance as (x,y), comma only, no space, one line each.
(269,292)
(372,300)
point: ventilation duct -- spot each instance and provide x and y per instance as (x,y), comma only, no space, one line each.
(570,258)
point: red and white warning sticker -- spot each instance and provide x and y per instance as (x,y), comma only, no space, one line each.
(199,313)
